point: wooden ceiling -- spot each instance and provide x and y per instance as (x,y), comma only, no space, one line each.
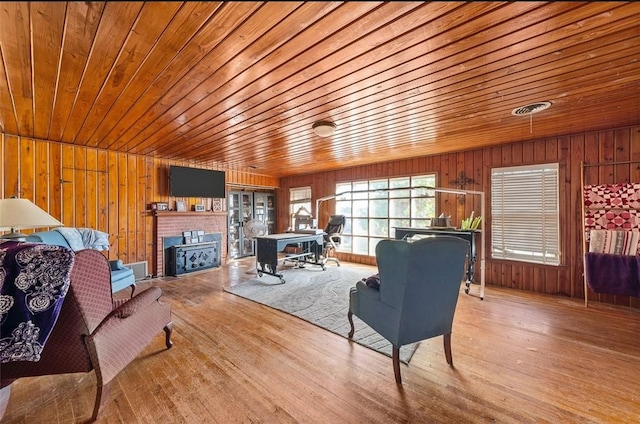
(239,84)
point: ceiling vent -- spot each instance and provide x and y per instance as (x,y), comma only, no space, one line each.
(531,108)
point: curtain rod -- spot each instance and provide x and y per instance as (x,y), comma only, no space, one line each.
(626,162)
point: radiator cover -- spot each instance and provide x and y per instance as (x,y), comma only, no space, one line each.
(140,269)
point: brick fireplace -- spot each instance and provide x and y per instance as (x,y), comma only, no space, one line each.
(172,224)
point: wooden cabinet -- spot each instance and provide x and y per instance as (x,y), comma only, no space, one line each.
(242,207)
(265,210)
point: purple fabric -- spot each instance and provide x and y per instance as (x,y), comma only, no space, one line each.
(613,274)
(34,279)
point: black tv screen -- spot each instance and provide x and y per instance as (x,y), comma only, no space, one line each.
(196,182)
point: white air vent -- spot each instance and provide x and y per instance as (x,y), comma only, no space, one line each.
(140,270)
(530,109)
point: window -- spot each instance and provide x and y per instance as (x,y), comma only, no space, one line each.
(524,214)
(373,208)
(299,197)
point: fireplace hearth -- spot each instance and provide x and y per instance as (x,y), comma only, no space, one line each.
(181,258)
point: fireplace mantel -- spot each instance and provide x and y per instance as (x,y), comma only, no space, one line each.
(191,213)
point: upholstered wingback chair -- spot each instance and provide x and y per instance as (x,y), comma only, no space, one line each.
(95,333)
(418,292)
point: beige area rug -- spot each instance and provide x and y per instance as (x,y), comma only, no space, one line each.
(321,298)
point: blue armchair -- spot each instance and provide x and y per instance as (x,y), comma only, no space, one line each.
(121,276)
(418,292)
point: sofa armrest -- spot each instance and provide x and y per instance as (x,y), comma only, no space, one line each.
(117,264)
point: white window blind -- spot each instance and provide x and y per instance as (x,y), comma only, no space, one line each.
(524,214)
(299,197)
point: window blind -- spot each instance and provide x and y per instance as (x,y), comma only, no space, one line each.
(299,197)
(524,214)
(300,194)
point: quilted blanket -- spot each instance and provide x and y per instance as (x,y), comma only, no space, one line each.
(34,280)
(614,242)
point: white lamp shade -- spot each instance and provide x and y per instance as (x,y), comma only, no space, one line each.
(16,214)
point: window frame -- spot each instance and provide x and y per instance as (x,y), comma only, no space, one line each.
(369,214)
(296,203)
(525,214)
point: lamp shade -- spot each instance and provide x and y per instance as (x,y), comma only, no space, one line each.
(16,214)
(324,128)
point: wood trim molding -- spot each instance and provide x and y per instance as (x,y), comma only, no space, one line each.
(189,213)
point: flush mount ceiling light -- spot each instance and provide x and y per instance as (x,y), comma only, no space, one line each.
(531,108)
(324,128)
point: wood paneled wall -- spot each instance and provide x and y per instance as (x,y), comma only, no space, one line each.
(104,190)
(452,170)
(111,192)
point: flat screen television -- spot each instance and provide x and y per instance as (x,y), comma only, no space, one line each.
(196,182)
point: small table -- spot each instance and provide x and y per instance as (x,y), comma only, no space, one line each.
(270,245)
(402,233)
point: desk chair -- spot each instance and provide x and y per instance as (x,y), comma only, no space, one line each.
(333,237)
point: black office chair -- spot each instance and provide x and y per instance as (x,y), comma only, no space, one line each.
(333,237)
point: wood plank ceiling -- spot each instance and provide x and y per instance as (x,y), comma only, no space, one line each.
(240,84)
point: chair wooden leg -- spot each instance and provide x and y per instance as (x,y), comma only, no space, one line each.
(101,398)
(350,318)
(447,348)
(396,364)
(168,329)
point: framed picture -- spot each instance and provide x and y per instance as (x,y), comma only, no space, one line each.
(181,206)
(217,205)
(160,206)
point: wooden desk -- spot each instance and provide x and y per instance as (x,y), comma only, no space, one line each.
(403,233)
(270,245)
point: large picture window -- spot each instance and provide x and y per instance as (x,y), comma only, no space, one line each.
(373,208)
(525,214)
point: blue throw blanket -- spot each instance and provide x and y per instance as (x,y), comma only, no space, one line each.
(85,238)
(34,279)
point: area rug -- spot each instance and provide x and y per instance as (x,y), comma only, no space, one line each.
(321,298)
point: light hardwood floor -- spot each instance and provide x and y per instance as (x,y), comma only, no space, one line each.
(519,358)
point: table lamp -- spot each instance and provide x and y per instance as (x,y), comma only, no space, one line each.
(17,214)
